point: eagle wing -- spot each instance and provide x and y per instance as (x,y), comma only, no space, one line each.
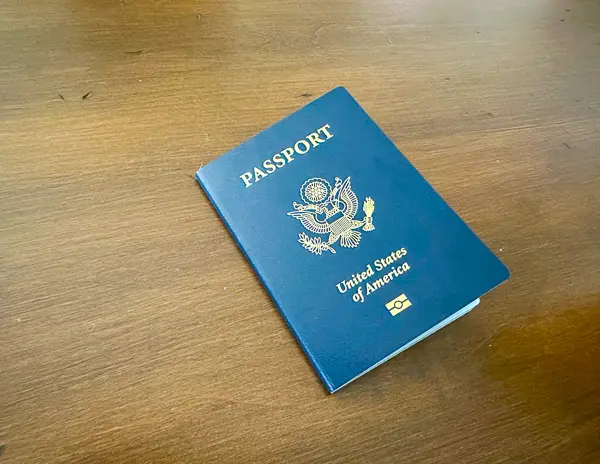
(348,197)
(309,221)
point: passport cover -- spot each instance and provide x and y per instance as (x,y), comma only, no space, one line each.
(359,253)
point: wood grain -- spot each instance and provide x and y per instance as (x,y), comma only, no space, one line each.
(132,329)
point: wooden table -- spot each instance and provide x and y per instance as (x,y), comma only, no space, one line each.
(132,329)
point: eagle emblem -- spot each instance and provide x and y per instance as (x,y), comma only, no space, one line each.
(331,211)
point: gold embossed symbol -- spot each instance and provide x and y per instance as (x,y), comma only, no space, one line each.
(398,304)
(331,211)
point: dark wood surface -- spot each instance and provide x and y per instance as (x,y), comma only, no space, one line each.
(131,327)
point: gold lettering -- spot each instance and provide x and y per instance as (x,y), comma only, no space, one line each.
(279,161)
(269,166)
(288,152)
(246,178)
(286,156)
(314,139)
(306,146)
(350,283)
(258,174)
(326,131)
(378,265)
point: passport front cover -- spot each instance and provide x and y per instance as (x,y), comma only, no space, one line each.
(359,253)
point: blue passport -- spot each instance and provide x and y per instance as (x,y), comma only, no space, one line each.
(359,253)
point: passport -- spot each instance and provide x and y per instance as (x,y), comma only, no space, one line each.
(358,252)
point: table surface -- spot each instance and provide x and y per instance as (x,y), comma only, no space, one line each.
(132,329)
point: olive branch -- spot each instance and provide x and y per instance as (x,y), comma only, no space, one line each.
(314,245)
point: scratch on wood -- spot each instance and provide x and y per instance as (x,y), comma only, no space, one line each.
(61,97)
(484,342)
(135,52)
(87,95)
(316,33)
(567,145)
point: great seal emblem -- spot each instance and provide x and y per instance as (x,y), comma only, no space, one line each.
(331,211)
